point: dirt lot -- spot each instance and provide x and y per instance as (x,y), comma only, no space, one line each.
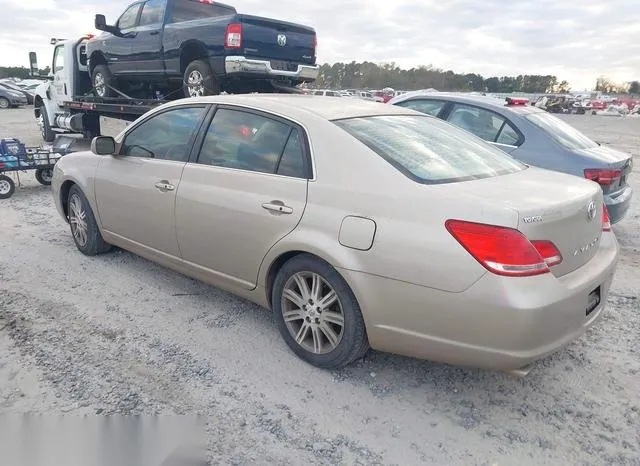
(118,334)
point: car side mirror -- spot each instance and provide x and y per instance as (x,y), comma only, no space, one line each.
(103,145)
(101,23)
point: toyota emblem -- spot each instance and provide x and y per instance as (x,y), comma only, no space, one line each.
(591,211)
(282,40)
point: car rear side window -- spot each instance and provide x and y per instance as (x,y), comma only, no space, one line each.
(166,136)
(429,150)
(430,107)
(483,123)
(188,10)
(248,141)
(561,131)
(152,12)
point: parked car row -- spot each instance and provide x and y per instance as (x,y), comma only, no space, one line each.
(534,137)
(362,225)
(13,96)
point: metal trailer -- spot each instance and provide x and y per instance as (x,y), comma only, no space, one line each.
(16,157)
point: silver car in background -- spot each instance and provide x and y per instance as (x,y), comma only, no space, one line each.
(534,137)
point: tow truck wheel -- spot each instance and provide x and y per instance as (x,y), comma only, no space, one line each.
(199,80)
(44,176)
(7,187)
(45,128)
(102,81)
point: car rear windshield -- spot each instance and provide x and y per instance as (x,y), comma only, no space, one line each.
(188,10)
(561,131)
(429,150)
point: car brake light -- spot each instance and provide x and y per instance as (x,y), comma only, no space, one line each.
(602,176)
(606,220)
(501,250)
(234,36)
(315,47)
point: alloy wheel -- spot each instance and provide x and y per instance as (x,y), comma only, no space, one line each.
(195,84)
(312,312)
(98,84)
(78,220)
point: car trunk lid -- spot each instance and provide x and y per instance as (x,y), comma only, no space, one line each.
(551,206)
(286,44)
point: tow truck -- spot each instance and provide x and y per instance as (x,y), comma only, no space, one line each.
(66,103)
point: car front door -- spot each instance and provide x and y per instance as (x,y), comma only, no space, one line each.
(118,49)
(246,191)
(60,88)
(146,53)
(136,189)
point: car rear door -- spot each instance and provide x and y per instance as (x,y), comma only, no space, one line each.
(246,190)
(136,189)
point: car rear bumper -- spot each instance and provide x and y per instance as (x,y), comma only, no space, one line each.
(498,323)
(618,204)
(239,65)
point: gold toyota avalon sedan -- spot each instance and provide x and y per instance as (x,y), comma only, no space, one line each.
(360,225)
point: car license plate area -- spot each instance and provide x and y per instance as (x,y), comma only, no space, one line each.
(282,65)
(279,65)
(593,301)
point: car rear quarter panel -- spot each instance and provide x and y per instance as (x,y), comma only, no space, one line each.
(411,243)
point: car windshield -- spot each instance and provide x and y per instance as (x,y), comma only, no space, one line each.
(429,150)
(561,131)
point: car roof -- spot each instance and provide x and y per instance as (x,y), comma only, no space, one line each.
(485,101)
(301,106)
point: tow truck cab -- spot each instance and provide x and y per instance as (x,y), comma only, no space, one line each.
(69,77)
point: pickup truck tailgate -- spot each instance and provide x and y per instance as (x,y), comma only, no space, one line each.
(277,40)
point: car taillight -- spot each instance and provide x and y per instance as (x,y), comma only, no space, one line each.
(548,251)
(504,251)
(606,220)
(315,47)
(234,36)
(602,176)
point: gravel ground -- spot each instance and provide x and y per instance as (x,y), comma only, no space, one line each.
(119,334)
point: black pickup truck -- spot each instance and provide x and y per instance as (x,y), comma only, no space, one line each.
(201,46)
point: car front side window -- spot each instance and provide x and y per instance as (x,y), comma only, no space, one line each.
(129,17)
(430,107)
(248,141)
(166,136)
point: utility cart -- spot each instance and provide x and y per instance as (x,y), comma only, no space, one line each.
(16,157)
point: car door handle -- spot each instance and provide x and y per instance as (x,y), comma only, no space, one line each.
(164,186)
(277,207)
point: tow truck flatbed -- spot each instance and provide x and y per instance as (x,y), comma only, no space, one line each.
(112,107)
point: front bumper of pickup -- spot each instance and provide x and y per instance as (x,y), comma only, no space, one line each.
(239,65)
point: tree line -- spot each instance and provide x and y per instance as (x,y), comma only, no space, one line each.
(368,75)
(20,72)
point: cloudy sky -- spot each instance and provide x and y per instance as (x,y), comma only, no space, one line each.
(576,40)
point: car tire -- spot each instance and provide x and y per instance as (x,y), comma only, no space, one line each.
(44,176)
(4,103)
(326,336)
(102,81)
(45,128)
(199,80)
(7,187)
(84,228)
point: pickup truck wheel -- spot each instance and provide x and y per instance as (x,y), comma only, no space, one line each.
(199,80)
(101,80)
(45,128)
